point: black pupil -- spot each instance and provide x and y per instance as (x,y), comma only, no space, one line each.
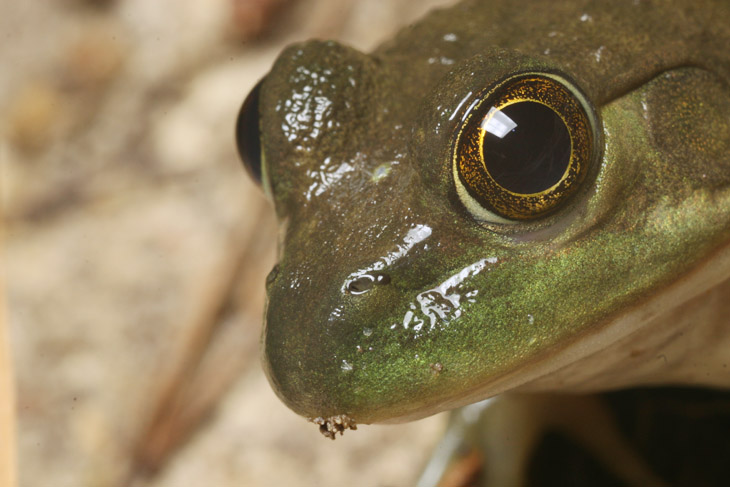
(533,155)
(248,138)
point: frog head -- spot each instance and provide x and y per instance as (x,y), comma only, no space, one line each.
(455,217)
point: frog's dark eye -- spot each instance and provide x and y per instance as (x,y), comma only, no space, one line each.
(524,148)
(248,135)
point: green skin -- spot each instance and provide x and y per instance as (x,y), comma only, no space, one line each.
(357,152)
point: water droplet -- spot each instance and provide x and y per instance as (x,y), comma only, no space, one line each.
(380,172)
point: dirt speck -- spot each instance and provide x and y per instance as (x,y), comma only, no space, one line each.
(329,427)
(436,368)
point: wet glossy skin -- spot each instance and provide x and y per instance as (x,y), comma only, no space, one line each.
(390,300)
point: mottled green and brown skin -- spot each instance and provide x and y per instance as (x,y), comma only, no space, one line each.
(357,154)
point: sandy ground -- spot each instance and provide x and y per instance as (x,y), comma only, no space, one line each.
(136,248)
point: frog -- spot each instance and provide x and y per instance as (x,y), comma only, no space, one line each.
(506,199)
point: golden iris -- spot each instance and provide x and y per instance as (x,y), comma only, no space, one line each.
(523,149)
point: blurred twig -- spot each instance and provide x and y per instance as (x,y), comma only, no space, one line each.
(214,351)
(7,392)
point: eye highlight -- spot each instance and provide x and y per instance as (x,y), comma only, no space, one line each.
(523,149)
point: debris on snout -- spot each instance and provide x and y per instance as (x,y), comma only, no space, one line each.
(329,427)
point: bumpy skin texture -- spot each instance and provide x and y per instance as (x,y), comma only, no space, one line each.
(358,161)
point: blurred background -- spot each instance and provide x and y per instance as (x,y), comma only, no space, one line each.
(136,248)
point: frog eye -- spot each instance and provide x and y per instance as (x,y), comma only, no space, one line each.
(248,135)
(523,149)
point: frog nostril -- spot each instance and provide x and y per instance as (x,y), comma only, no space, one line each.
(361,285)
(365,282)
